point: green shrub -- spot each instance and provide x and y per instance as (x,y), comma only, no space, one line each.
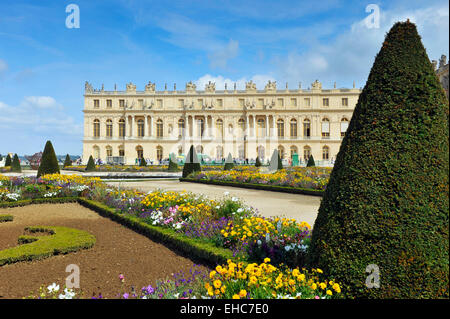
(6,218)
(258,162)
(280,163)
(192,163)
(49,163)
(67,161)
(8,160)
(311,162)
(387,201)
(142,162)
(15,165)
(60,240)
(90,164)
(173,166)
(229,164)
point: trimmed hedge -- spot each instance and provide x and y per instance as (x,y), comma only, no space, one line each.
(67,161)
(49,162)
(273,188)
(6,218)
(90,167)
(15,165)
(61,240)
(387,200)
(50,200)
(311,162)
(8,160)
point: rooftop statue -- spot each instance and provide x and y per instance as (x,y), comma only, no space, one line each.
(271,86)
(150,87)
(131,87)
(250,86)
(190,86)
(210,87)
(88,87)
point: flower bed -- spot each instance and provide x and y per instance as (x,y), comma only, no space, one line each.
(309,178)
(212,230)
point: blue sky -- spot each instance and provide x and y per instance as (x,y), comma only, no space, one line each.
(43,64)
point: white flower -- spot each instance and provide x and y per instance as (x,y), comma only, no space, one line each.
(226,193)
(234,199)
(53,288)
(259,242)
(217,207)
(240,210)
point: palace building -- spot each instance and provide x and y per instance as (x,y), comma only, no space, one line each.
(122,126)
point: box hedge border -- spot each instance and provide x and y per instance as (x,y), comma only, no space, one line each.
(201,252)
(272,188)
(6,218)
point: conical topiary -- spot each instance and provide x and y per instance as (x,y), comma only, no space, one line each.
(90,166)
(385,210)
(15,165)
(311,161)
(258,162)
(8,160)
(49,163)
(229,164)
(280,163)
(173,165)
(68,161)
(192,164)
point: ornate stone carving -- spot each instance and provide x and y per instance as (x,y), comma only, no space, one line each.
(210,87)
(88,87)
(316,85)
(190,87)
(271,86)
(131,87)
(150,87)
(250,86)
(442,61)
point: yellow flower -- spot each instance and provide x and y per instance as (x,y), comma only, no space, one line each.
(322,285)
(337,288)
(212,274)
(314,286)
(267,260)
(329,293)
(236,296)
(217,283)
(242,293)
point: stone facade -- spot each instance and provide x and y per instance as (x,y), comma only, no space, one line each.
(442,72)
(246,123)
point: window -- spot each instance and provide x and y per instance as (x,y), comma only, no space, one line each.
(261,152)
(307,101)
(280,128)
(219,102)
(109,103)
(326,102)
(219,152)
(344,101)
(294,102)
(108,151)
(96,103)
(140,127)
(181,127)
(200,102)
(306,128)
(241,152)
(159,128)
(96,128)
(281,151)
(139,152)
(241,125)
(121,103)
(306,152)
(280,102)
(121,128)
(159,103)
(219,128)
(325,153)
(325,128)
(260,102)
(200,127)
(241,102)
(293,151)
(141,103)
(109,128)
(121,151)
(180,103)
(159,153)
(344,126)
(261,125)
(96,151)
(293,132)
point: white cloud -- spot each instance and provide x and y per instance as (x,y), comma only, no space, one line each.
(220,56)
(259,79)
(42,102)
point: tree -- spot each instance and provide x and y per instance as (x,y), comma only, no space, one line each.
(280,163)
(68,161)
(90,164)
(192,163)
(173,165)
(142,162)
(311,161)
(49,162)
(229,164)
(15,165)
(8,160)
(387,200)
(258,162)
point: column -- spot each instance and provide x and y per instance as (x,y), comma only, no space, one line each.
(247,126)
(145,126)
(254,126)
(206,127)
(266,123)
(150,126)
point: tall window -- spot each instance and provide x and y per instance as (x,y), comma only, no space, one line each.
(344,101)
(139,151)
(181,128)
(326,102)
(261,127)
(293,132)
(159,153)
(121,151)
(280,102)
(281,151)
(96,128)
(121,128)
(344,126)
(121,103)
(219,128)
(219,152)
(261,151)
(293,151)
(108,151)
(241,125)
(109,128)
(280,128)
(306,128)
(109,103)
(96,151)
(306,152)
(140,127)
(159,128)
(307,101)
(325,153)
(96,103)
(293,102)
(325,128)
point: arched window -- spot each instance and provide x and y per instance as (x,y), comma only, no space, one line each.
(325,153)
(293,132)
(280,128)
(344,126)
(121,151)
(96,151)
(108,151)
(139,151)
(200,127)
(294,150)
(306,128)
(159,153)
(230,128)
(306,152)
(96,128)
(241,125)
(159,128)
(109,128)
(181,127)
(325,128)
(261,151)
(219,128)
(281,151)
(140,127)
(121,128)
(261,125)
